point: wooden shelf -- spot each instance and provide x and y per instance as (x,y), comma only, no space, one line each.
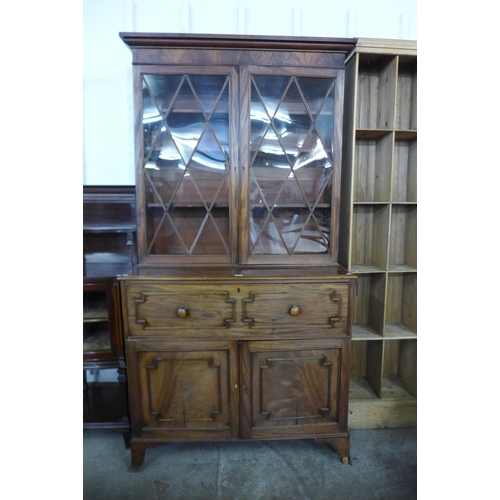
(372,134)
(405,135)
(95,318)
(398,331)
(365,332)
(366,269)
(401,268)
(107,227)
(393,331)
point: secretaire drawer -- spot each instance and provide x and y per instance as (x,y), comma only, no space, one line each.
(316,305)
(154,309)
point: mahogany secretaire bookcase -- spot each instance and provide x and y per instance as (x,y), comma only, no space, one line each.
(238,317)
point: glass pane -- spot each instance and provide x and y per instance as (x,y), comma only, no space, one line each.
(186,163)
(265,235)
(291,157)
(213,235)
(314,91)
(158,92)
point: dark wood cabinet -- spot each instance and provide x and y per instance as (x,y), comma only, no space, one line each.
(211,358)
(102,331)
(237,318)
(108,251)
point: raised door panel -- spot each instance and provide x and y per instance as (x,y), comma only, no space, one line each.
(183,390)
(293,389)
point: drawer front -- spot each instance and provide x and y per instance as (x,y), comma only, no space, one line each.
(156,309)
(314,305)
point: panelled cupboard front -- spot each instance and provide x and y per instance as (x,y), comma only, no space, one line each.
(238,316)
(238,357)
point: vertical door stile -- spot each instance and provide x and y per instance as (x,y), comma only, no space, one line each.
(234,177)
(244,388)
(343,393)
(337,162)
(234,388)
(243,169)
(139,156)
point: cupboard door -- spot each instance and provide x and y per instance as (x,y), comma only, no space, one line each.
(185,195)
(294,388)
(182,390)
(290,151)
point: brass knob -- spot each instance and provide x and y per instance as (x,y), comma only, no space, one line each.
(294,310)
(181,312)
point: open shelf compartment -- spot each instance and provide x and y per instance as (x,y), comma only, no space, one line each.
(384,369)
(403,238)
(376,92)
(372,169)
(401,305)
(369,302)
(404,176)
(370,229)
(406,99)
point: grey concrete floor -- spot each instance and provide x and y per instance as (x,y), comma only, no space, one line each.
(383,467)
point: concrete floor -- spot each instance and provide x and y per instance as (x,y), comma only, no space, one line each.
(383,467)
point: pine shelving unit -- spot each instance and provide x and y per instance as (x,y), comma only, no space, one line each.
(378,230)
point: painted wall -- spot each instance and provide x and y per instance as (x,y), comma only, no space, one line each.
(108,156)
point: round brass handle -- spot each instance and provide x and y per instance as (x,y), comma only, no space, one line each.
(181,312)
(294,310)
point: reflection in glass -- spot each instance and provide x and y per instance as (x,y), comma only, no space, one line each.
(291,158)
(186,163)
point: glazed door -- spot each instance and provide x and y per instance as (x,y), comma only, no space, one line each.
(293,388)
(186,161)
(290,156)
(183,390)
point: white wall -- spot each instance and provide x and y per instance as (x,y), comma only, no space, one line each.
(107,72)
